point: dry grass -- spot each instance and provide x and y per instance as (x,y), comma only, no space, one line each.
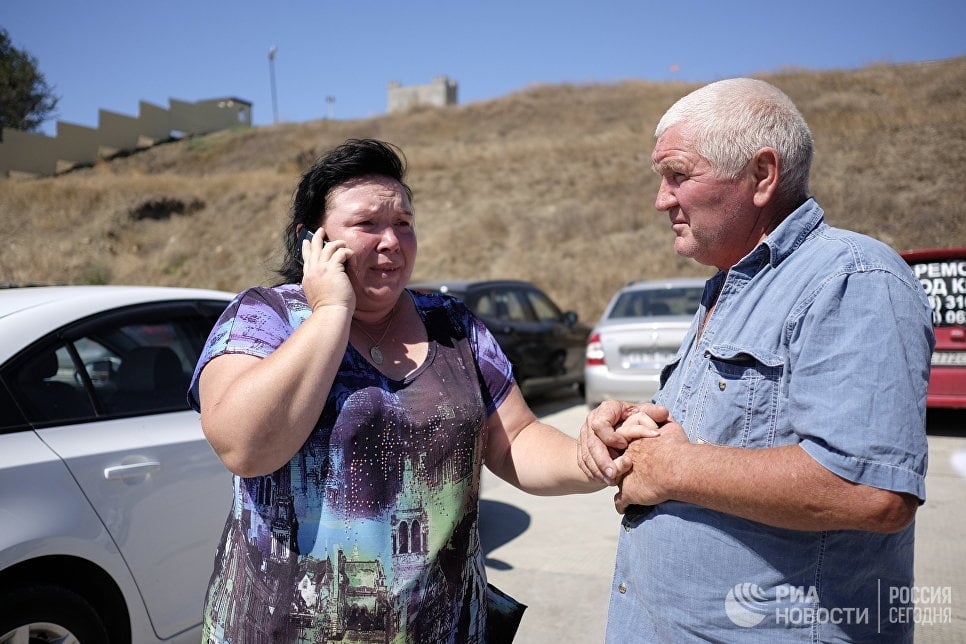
(551,184)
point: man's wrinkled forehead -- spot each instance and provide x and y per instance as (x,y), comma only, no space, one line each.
(672,154)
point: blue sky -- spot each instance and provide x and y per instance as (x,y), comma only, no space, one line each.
(110,54)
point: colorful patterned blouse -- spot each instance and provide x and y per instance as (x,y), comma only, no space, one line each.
(369,533)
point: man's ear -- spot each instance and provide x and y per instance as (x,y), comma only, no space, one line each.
(766,168)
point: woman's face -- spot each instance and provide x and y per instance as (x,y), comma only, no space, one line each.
(374,217)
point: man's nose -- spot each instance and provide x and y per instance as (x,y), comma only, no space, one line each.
(665,196)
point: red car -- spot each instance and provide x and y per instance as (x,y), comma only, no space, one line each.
(942,273)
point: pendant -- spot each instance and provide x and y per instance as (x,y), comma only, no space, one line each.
(376,355)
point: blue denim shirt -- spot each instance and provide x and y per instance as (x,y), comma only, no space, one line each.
(820,337)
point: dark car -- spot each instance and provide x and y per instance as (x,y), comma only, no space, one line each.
(545,345)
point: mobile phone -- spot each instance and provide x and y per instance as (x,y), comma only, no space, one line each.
(305,235)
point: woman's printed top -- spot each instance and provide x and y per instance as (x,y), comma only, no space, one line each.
(369,533)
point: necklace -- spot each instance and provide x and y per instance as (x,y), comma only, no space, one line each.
(374,351)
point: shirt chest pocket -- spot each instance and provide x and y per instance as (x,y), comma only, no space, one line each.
(737,397)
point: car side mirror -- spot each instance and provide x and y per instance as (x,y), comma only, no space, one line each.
(570,318)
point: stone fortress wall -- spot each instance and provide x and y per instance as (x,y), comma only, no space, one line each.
(438,93)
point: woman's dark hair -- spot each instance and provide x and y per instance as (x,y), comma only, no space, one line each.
(353,159)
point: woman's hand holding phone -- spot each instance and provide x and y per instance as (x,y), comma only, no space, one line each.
(325,279)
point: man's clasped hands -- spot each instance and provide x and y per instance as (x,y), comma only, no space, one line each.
(638,447)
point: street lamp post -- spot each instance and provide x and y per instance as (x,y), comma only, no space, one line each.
(271,73)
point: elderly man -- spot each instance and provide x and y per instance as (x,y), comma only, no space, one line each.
(777,501)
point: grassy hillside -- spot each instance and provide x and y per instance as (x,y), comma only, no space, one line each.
(551,184)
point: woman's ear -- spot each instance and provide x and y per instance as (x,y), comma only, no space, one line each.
(766,169)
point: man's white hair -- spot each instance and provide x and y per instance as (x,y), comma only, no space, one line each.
(728,121)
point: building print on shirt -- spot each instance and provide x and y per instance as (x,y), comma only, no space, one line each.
(342,598)
(369,533)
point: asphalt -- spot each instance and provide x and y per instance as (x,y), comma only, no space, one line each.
(556,554)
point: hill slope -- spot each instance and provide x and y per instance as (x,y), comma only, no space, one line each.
(551,184)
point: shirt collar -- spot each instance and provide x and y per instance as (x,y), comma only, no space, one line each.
(791,232)
(773,250)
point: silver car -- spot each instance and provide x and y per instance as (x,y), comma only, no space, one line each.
(638,334)
(111,499)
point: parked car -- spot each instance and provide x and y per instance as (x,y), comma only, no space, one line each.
(942,273)
(544,345)
(111,500)
(639,332)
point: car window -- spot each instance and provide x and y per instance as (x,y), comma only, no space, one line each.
(140,367)
(10,414)
(499,304)
(656,302)
(485,306)
(48,387)
(543,307)
(510,306)
(132,364)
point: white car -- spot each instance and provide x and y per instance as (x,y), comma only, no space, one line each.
(111,500)
(639,333)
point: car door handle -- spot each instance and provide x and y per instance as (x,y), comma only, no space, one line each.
(132,470)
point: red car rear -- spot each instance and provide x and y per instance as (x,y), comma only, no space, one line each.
(942,273)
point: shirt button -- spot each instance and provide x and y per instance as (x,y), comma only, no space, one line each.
(622,588)
(721,385)
(627,527)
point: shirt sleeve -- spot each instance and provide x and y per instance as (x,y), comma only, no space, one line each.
(860,358)
(494,368)
(255,323)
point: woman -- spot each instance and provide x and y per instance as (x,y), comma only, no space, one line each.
(356,415)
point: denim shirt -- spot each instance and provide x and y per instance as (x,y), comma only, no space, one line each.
(822,338)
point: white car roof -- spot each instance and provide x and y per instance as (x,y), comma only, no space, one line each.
(30,312)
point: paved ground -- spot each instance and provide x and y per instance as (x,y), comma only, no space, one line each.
(556,554)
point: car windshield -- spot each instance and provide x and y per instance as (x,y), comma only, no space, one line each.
(657,302)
